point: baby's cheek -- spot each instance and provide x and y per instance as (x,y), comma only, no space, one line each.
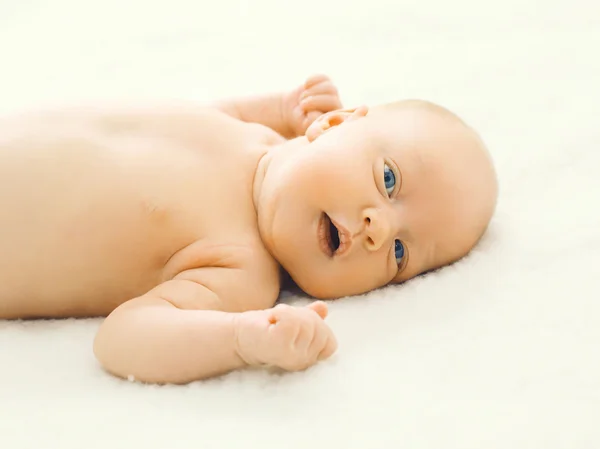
(311,175)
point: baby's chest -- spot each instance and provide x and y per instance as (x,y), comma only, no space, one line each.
(218,210)
(209,195)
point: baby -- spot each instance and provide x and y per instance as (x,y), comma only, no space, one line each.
(179,224)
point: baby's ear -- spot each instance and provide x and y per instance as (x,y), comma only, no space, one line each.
(332,119)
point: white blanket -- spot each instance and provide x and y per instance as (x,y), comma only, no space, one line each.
(500,350)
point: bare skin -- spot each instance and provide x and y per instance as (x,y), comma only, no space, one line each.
(175,224)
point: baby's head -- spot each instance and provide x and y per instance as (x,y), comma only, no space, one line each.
(369,198)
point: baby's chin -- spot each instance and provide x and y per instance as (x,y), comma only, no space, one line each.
(318,291)
(326,289)
(308,285)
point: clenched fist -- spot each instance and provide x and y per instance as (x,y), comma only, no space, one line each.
(291,338)
(317,96)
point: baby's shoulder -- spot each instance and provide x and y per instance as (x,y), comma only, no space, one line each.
(243,275)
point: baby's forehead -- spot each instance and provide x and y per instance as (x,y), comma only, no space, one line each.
(416,160)
(426,140)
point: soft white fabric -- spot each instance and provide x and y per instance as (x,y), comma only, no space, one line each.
(500,350)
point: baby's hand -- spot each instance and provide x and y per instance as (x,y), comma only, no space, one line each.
(291,338)
(317,96)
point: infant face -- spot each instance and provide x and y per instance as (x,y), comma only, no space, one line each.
(372,198)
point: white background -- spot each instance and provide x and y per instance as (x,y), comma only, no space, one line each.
(500,350)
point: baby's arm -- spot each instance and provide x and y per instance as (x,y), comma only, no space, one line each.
(152,340)
(266,110)
(171,335)
(290,113)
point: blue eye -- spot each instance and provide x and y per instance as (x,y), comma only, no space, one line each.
(399,250)
(389,179)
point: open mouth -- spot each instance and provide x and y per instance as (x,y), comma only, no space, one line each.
(329,236)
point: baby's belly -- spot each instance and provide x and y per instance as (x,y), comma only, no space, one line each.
(86,268)
(79,236)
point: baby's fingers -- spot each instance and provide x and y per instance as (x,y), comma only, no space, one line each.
(317,345)
(316,79)
(320,308)
(324,103)
(308,120)
(326,88)
(328,344)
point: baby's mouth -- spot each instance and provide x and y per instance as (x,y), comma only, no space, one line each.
(333,239)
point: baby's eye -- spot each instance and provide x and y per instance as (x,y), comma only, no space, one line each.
(389,179)
(399,250)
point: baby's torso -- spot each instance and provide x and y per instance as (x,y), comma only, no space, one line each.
(93,207)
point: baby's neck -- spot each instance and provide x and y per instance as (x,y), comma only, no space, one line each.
(277,152)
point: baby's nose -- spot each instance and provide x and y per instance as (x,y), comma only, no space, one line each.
(376,229)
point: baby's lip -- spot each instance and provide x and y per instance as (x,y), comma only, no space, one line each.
(345,238)
(323,235)
(325,238)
